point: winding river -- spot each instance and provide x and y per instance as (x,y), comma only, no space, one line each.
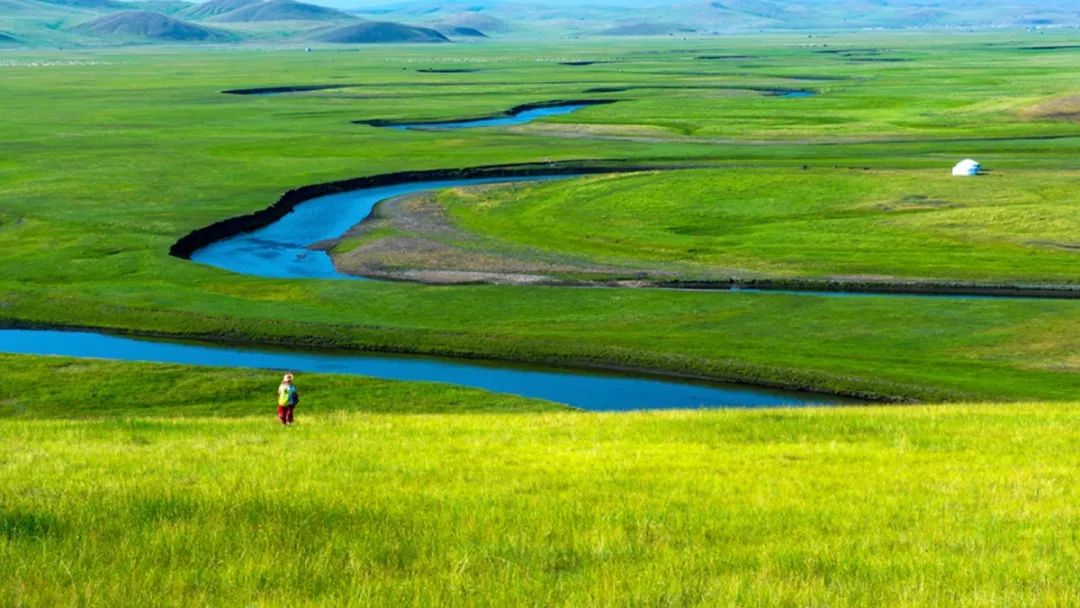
(517,115)
(511,118)
(584,390)
(280,247)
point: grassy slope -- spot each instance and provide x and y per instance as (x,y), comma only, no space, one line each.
(100,181)
(913,225)
(169,501)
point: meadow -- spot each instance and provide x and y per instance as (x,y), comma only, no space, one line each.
(125,484)
(914,226)
(135,484)
(115,154)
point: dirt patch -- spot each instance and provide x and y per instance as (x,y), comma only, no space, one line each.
(1056,245)
(464,277)
(598,131)
(1059,108)
(411,238)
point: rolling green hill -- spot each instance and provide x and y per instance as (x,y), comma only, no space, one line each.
(369,32)
(213,8)
(167,7)
(726,16)
(93,22)
(281,10)
(148,26)
(36,21)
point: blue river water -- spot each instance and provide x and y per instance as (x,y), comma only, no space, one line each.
(584,390)
(281,250)
(517,118)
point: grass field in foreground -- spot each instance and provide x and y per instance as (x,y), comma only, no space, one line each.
(961,505)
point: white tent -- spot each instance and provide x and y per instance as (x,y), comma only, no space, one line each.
(967,167)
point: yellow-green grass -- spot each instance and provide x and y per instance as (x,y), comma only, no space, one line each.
(959,505)
(1012,227)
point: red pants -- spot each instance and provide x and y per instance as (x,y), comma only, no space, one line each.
(284,413)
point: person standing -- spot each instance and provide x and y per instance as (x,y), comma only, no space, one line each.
(287,399)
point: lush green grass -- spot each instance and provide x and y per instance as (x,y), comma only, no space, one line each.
(58,387)
(110,159)
(1017,227)
(125,484)
(171,500)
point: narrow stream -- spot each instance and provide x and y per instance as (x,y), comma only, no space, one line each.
(584,390)
(514,118)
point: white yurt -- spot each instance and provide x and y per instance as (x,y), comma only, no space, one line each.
(967,167)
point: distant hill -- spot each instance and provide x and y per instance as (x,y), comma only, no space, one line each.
(281,10)
(13,7)
(652,17)
(76,22)
(214,8)
(458,31)
(477,21)
(148,26)
(165,7)
(369,32)
(857,14)
(90,4)
(643,29)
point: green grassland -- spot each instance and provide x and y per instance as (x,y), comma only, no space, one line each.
(110,156)
(125,484)
(136,484)
(912,225)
